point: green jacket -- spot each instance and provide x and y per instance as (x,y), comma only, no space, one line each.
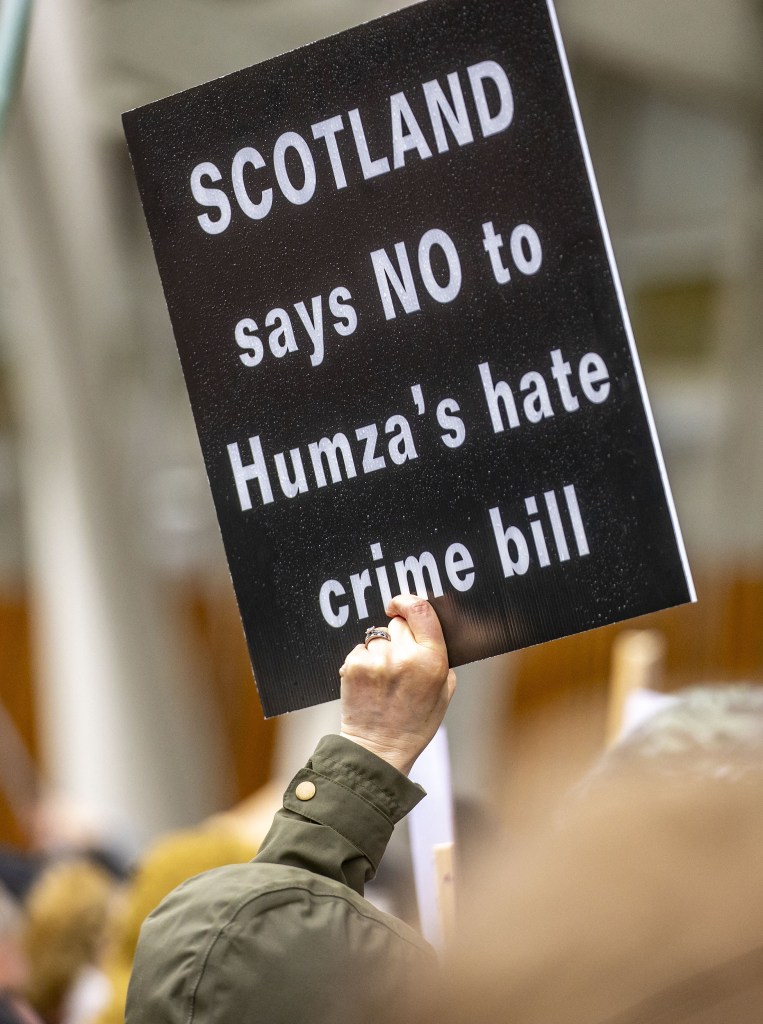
(289,937)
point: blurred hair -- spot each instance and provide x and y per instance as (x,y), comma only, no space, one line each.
(172,860)
(710,731)
(67,920)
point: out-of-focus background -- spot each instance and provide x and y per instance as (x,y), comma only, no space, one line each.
(127,705)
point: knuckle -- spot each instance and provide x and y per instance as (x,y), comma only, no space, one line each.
(351,663)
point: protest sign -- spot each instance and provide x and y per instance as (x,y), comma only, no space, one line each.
(405,343)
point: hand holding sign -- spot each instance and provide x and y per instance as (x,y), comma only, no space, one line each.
(395,693)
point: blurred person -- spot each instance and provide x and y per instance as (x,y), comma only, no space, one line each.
(645,902)
(68,915)
(229,838)
(61,827)
(289,936)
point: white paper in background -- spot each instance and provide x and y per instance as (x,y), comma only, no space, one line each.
(431,824)
(640,706)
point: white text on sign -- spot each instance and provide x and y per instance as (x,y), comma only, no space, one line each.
(340,457)
(556,534)
(256,201)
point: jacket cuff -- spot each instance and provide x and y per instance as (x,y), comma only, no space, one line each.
(354,792)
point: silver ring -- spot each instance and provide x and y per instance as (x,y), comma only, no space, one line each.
(376,633)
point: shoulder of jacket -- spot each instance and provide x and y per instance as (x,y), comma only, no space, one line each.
(260,930)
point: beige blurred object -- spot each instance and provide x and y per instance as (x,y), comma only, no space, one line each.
(645,907)
(638,657)
(445,883)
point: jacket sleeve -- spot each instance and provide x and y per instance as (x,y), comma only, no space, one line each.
(338,814)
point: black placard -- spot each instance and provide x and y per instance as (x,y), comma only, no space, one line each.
(405,343)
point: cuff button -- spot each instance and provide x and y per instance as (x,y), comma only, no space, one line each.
(305,791)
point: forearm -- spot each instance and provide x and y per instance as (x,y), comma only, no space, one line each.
(341,831)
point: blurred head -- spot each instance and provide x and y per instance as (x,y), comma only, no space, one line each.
(68,913)
(644,901)
(173,859)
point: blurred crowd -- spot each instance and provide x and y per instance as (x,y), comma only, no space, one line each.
(641,901)
(70,918)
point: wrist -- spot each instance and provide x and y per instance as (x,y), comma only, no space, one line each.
(400,760)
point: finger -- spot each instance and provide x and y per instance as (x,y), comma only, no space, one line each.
(399,630)
(420,618)
(356,653)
